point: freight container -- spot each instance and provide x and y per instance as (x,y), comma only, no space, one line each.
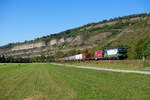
(99,54)
(56,59)
(61,59)
(65,58)
(68,58)
(86,56)
(79,57)
(72,57)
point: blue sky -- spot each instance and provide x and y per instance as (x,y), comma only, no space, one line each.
(22,20)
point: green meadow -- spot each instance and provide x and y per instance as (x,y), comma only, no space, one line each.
(53,82)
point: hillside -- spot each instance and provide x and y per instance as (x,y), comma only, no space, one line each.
(132,32)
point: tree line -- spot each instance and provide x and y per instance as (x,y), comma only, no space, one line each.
(44,59)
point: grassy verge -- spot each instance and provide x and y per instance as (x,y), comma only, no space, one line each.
(115,64)
(52,82)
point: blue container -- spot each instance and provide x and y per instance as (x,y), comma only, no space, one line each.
(72,57)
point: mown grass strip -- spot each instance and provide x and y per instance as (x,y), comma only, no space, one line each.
(55,82)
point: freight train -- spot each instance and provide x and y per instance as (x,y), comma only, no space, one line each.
(108,54)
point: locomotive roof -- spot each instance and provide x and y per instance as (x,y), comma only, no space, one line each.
(116,48)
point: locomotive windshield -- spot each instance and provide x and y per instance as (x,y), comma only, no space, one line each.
(122,50)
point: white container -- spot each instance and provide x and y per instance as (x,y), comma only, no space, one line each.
(78,57)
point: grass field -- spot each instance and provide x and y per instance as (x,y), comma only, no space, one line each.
(52,82)
(115,64)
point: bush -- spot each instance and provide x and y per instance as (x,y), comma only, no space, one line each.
(143,48)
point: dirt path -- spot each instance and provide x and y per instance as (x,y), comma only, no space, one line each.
(106,69)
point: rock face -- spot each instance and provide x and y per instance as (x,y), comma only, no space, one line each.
(53,42)
(57,41)
(37,48)
(62,40)
(28,46)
